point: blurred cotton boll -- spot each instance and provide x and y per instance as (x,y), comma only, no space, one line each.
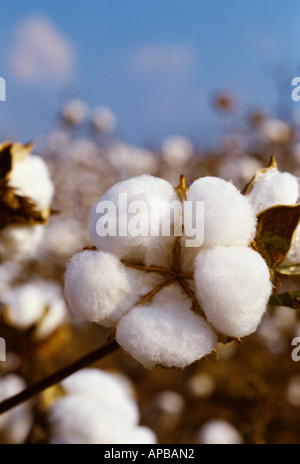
(103,120)
(15,424)
(219,432)
(75,112)
(177,150)
(275,130)
(96,409)
(21,242)
(39,304)
(30,178)
(64,236)
(201,385)
(293,391)
(129,160)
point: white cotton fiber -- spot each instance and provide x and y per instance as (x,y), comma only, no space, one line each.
(99,288)
(16,423)
(30,177)
(271,188)
(24,306)
(18,242)
(76,419)
(155,197)
(168,335)
(228,216)
(39,303)
(219,432)
(233,286)
(177,150)
(104,388)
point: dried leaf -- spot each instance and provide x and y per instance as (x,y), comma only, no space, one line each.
(288,299)
(11,153)
(275,230)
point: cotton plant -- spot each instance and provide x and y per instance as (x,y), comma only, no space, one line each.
(96,407)
(168,302)
(26,192)
(37,305)
(15,425)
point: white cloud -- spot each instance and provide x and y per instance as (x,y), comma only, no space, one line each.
(40,53)
(163,60)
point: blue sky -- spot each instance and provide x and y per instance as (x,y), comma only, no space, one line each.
(155,63)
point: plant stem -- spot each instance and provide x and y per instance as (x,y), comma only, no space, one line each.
(58,376)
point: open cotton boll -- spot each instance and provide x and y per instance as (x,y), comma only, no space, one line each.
(103,119)
(30,178)
(104,388)
(18,242)
(143,436)
(24,306)
(75,419)
(271,188)
(166,335)
(99,288)
(75,111)
(39,303)
(56,313)
(233,287)
(219,432)
(15,424)
(177,150)
(228,216)
(130,161)
(148,199)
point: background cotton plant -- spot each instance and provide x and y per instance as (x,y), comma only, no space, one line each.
(166,304)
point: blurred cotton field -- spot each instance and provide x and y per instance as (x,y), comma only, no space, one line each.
(159,388)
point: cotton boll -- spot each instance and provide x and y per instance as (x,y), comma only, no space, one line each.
(9,270)
(130,161)
(75,419)
(219,432)
(75,112)
(103,119)
(170,402)
(271,188)
(293,391)
(18,242)
(24,306)
(177,150)
(201,385)
(56,313)
(275,130)
(38,303)
(104,388)
(30,178)
(143,436)
(166,335)
(64,237)
(228,216)
(16,423)
(101,289)
(233,286)
(153,195)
